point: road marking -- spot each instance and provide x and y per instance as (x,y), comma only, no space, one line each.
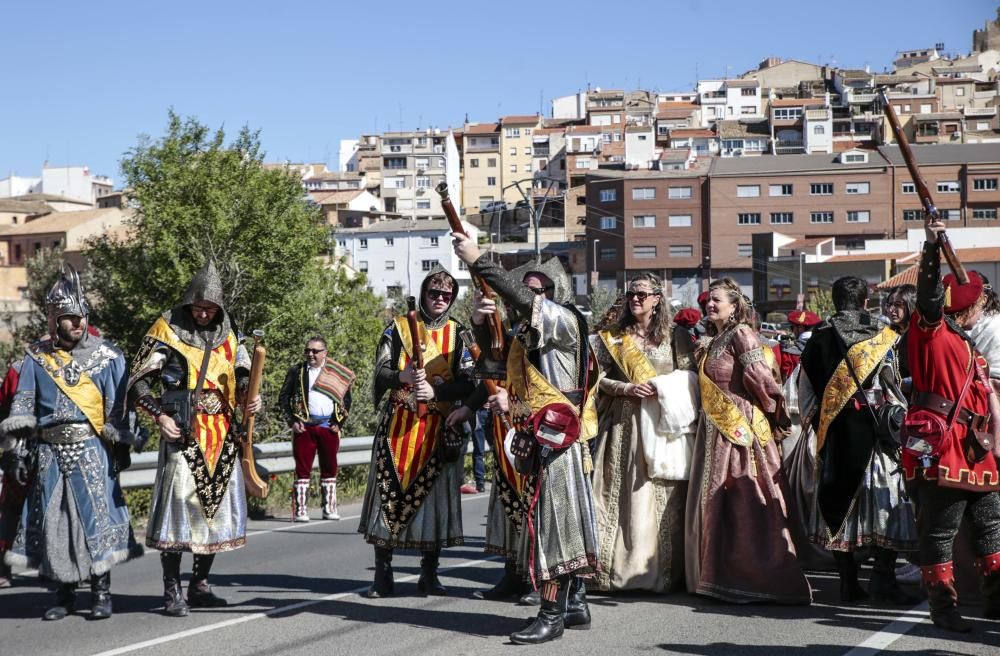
(892,631)
(479,562)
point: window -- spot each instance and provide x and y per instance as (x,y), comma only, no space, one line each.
(390,265)
(395,162)
(748,92)
(420,162)
(781,218)
(819,129)
(644,252)
(491,162)
(951,215)
(513,168)
(748,110)
(427,265)
(527,132)
(984,184)
(681,251)
(854,158)
(390,241)
(511,133)
(462,266)
(342,243)
(984,213)
(362,243)
(423,182)
(821,217)
(913,215)
(780,190)
(395,182)
(608,223)
(789,114)
(748,219)
(858,216)
(909,188)
(491,181)
(644,221)
(474,163)
(982,125)
(583,163)
(744,250)
(423,204)
(950,187)
(527,151)
(747,191)
(679,221)
(431,242)
(857,187)
(821,189)
(925,108)
(959,91)
(642,137)
(644,193)
(679,192)
(363,265)
(608,195)
(609,253)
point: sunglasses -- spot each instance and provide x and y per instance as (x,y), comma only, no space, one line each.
(310,351)
(436,294)
(642,296)
(540,290)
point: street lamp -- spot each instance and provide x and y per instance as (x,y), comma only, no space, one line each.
(596,242)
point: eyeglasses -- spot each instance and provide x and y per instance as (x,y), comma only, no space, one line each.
(540,290)
(438,294)
(204,309)
(310,351)
(642,296)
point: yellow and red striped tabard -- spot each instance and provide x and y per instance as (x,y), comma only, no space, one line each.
(412,439)
(515,480)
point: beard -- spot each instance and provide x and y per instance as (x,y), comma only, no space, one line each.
(66,336)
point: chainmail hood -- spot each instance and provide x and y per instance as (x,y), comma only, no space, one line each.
(552,269)
(205,286)
(441,320)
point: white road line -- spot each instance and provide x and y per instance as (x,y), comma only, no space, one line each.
(274,611)
(892,631)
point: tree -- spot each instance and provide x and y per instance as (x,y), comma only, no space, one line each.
(195,198)
(42,271)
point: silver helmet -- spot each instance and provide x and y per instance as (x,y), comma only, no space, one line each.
(65,298)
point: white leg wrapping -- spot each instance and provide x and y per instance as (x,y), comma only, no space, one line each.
(300,495)
(329,486)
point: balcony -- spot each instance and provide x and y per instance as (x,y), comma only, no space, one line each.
(540,151)
(388,149)
(789,146)
(862,97)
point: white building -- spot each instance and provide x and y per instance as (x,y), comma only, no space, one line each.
(640,146)
(743,99)
(16,185)
(571,107)
(413,164)
(348,155)
(396,255)
(76,182)
(712,98)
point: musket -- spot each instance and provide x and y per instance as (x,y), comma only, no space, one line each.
(255,486)
(495,322)
(491,385)
(417,357)
(922,190)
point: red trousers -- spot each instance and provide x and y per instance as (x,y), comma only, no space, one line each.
(305,445)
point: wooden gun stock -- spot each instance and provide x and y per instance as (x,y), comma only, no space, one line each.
(922,190)
(255,486)
(497,331)
(491,385)
(417,357)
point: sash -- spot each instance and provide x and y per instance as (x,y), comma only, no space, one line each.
(726,415)
(333,382)
(865,356)
(77,385)
(221,373)
(629,357)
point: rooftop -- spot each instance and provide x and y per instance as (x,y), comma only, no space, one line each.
(696,133)
(403,225)
(24,206)
(776,164)
(50,198)
(741,129)
(516,119)
(946,153)
(64,221)
(697,170)
(335,197)
(482,128)
(797,102)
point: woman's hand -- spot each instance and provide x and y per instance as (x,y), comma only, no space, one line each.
(638,391)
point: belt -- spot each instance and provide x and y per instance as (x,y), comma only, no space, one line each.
(944,406)
(67,433)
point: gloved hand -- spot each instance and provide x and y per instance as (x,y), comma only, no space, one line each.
(15,467)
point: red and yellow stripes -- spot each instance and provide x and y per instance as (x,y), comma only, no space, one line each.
(507,470)
(210,433)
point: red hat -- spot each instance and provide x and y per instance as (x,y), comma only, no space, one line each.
(687,317)
(703,299)
(803,318)
(961,297)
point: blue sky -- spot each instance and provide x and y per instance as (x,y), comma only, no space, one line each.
(82,80)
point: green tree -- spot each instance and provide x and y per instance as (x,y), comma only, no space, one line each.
(196,197)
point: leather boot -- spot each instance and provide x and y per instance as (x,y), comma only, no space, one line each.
(549,624)
(5,574)
(174,604)
(300,494)
(329,488)
(383,585)
(428,582)
(530,598)
(850,591)
(577,609)
(65,602)
(990,568)
(200,593)
(100,588)
(883,587)
(509,586)
(942,597)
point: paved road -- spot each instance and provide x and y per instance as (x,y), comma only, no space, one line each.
(294,590)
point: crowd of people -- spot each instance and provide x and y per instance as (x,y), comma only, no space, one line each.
(659,450)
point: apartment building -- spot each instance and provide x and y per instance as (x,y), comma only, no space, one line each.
(549,156)
(75,183)
(413,164)
(646,220)
(481,172)
(516,154)
(606,109)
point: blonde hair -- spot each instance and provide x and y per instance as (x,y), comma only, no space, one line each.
(743,310)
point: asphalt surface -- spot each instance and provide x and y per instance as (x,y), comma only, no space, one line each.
(294,589)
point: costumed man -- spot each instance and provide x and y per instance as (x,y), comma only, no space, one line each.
(67,419)
(548,378)
(509,494)
(12,492)
(193,356)
(952,427)
(860,500)
(803,323)
(684,340)
(315,400)
(412,500)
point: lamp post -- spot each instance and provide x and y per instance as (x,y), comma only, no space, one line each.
(594,285)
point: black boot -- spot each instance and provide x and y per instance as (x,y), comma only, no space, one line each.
(65,602)
(577,609)
(530,598)
(100,588)
(942,597)
(428,582)
(509,586)
(5,574)
(883,587)
(200,593)
(989,567)
(174,604)
(549,623)
(850,591)
(383,585)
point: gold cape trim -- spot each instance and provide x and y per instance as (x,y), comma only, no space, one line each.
(629,357)
(726,415)
(85,394)
(865,356)
(435,364)
(221,372)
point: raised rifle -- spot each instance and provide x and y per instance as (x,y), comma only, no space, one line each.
(491,385)
(417,357)
(922,190)
(255,486)
(495,323)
